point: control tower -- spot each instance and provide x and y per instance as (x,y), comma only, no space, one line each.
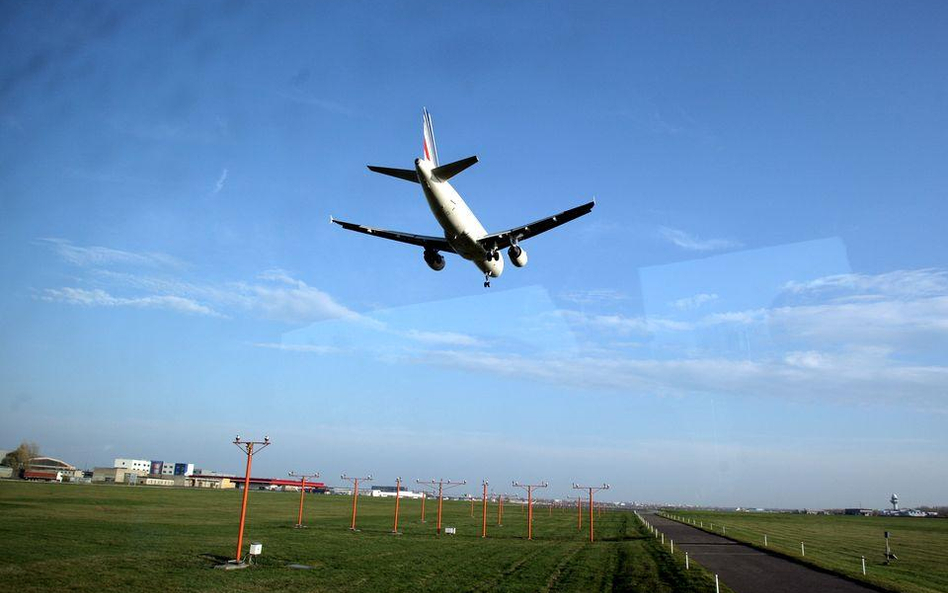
(895,502)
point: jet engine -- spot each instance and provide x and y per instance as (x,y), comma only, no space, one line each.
(517,255)
(434,260)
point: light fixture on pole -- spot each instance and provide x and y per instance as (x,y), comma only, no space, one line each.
(355,496)
(441,484)
(249,448)
(302,477)
(592,490)
(529,488)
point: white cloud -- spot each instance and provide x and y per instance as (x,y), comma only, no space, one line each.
(585,297)
(692,243)
(859,376)
(305,348)
(899,283)
(284,298)
(220,182)
(442,338)
(101,298)
(622,324)
(93,255)
(885,322)
(693,302)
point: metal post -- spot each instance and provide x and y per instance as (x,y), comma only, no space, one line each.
(440,504)
(248,448)
(484,512)
(529,488)
(424,497)
(398,488)
(765,540)
(591,490)
(355,496)
(717,586)
(355,502)
(441,484)
(302,477)
(529,512)
(243,502)
(802,549)
(863,566)
(672,546)
(299,518)
(687,564)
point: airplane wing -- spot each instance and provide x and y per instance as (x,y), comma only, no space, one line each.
(504,239)
(435,243)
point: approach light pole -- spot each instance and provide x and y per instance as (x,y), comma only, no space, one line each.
(500,509)
(398,489)
(484,511)
(355,495)
(579,511)
(441,484)
(529,488)
(248,449)
(302,477)
(592,490)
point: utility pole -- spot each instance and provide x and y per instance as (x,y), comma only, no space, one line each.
(441,484)
(529,488)
(591,489)
(579,511)
(355,495)
(398,489)
(248,449)
(302,477)
(484,512)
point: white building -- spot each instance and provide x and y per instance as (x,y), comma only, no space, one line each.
(144,467)
(139,466)
(389,492)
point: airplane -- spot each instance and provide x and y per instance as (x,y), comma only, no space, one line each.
(463,233)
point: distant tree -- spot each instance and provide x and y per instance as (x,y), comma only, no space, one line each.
(19,459)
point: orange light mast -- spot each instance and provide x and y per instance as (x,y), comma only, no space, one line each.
(302,477)
(591,490)
(248,449)
(355,496)
(529,488)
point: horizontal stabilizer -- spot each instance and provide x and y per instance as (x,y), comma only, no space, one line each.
(406,174)
(445,172)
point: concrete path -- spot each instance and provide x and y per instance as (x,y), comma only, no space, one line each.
(746,570)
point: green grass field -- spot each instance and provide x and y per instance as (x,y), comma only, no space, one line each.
(837,542)
(103,538)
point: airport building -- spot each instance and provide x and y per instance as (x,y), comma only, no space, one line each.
(145,467)
(141,467)
(389,491)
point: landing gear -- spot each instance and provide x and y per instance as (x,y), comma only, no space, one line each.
(486,280)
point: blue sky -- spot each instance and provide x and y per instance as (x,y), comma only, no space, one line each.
(756,312)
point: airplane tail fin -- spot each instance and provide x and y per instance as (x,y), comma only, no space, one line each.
(431,148)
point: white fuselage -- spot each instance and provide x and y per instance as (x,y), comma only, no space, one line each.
(461,228)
